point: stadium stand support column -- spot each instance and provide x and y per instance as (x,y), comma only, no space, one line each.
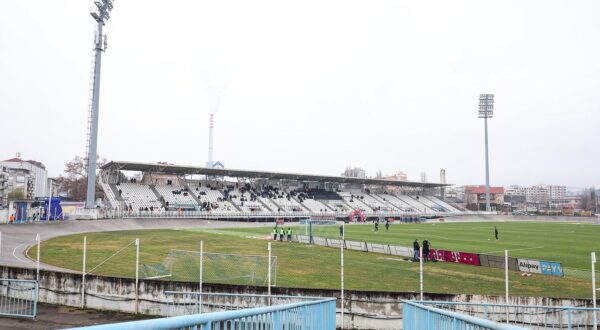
(265,205)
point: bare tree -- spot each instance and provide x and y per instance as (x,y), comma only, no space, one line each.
(73,181)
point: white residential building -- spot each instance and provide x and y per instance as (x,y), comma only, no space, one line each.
(539,193)
(29,175)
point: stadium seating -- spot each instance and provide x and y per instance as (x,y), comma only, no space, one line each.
(110,194)
(355,202)
(415,204)
(269,204)
(444,204)
(429,204)
(398,203)
(213,197)
(375,204)
(315,206)
(238,198)
(139,196)
(177,197)
(288,205)
(243,200)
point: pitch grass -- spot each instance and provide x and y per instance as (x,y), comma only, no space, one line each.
(307,266)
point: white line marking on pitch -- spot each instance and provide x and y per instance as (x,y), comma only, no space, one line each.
(531,248)
(15,251)
(442,237)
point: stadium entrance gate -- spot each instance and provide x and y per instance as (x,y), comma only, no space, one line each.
(18,298)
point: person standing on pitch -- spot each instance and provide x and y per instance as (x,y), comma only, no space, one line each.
(275,233)
(376,225)
(496,232)
(281,233)
(416,248)
(426,250)
(342,231)
(387,225)
(289,234)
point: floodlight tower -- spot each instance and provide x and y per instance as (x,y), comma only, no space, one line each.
(486,110)
(100,14)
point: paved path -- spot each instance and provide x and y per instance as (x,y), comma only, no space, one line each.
(61,317)
(17,238)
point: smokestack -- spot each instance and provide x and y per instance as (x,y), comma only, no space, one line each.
(211,131)
(443,181)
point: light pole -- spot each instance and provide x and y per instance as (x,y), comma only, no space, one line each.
(100,15)
(486,110)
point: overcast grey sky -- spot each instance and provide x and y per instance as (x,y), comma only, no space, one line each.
(312,86)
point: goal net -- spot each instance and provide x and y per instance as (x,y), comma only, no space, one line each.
(183,265)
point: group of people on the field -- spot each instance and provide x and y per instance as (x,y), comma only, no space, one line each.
(387,225)
(282,233)
(417,247)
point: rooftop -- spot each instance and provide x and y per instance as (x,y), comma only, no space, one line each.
(237,173)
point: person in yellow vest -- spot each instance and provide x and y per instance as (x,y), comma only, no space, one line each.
(281,234)
(12,218)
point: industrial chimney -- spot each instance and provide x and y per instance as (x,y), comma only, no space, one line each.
(443,181)
(211,131)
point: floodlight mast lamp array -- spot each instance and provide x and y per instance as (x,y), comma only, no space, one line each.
(486,110)
(101,14)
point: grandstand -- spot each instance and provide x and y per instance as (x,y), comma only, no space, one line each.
(142,187)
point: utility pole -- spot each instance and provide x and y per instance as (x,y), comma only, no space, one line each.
(486,110)
(100,15)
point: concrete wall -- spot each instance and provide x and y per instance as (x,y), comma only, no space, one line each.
(363,309)
(510,217)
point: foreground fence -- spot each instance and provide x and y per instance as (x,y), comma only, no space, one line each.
(188,303)
(18,298)
(419,316)
(529,316)
(319,314)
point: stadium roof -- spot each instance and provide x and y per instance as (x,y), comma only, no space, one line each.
(188,170)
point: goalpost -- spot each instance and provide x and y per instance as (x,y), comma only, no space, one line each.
(241,269)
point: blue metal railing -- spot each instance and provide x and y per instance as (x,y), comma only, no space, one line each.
(316,315)
(418,316)
(188,303)
(18,298)
(532,316)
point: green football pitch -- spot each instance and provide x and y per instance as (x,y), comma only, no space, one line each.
(306,266)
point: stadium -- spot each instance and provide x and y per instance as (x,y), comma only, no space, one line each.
(160,245)
(234,193)
(181,240)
